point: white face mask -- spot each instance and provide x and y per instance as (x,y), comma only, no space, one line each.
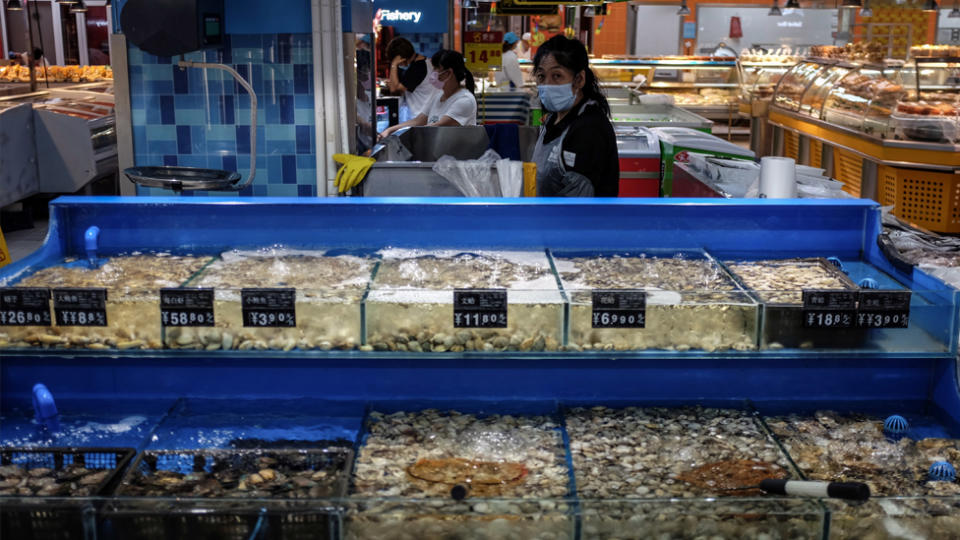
(434,80)
(556,97)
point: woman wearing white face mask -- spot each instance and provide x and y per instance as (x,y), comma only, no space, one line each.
(454,105)
(576,152)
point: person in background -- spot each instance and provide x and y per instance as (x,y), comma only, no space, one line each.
(525,49)
(408,73)
(510,72)
(576,152)
(38,60)
(454,104)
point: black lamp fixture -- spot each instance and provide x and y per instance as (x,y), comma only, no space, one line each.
(14,5)
(79,7)
(792,4)
(684,10)
(775,10)
(68,2)
(851,4)
(955,12)
(931,5)
(865,11)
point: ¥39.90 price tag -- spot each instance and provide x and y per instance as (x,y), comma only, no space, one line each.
(480,308)
(25,307)
(186,307)
(269,308)
(884,309)
(619,309)
(80,307)
(824,308)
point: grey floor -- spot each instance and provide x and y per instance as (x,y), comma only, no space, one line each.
(25,241)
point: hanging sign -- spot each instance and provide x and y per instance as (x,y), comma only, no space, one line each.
(482,50)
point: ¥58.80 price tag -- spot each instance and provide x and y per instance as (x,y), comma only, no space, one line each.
(25,307)
(480,308)
(269,308)
(619,309)
(186,307)
(80,307)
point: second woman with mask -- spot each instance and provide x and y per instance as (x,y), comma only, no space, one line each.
(576,152)
(454,105)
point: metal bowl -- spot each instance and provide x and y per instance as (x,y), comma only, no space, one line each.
(183,178)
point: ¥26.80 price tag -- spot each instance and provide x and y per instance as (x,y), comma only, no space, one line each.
(823,308)
(269,308)
(25,307)
(80,307)
(480,308)
(186,307)
(482,50)
(619,309)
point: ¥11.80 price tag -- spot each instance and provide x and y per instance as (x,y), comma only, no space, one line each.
(619,309)
(186,307)
(80,307)
(480,308)
(25,307)
(269,308)
(825,308)
(884,309)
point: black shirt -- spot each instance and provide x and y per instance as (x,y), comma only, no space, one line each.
(593,145)
(414,75)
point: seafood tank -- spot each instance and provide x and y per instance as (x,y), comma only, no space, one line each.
(377,414)
(411,302)
(326,301)
(691,303)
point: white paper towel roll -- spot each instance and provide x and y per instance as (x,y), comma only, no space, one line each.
(778,178)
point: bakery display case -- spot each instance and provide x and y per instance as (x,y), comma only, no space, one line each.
(794,84)
(864,100)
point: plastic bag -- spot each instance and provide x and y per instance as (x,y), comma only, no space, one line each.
(510,174)
(392,149)
(471,176)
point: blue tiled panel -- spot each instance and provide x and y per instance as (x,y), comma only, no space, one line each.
(426,44)
(201,118)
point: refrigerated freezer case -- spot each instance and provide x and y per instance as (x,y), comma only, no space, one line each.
(674,141)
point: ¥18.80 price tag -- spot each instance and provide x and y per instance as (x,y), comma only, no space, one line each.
(480,308)
(186,307)
(80,307)
(25,307)
(823,308)
(884,309)
(269,308)
(619,309)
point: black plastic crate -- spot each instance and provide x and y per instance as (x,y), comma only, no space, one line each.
(187,509)
(70,514)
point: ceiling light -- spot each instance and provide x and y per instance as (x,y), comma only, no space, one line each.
(865,11)
(955,12)
(684,10)
(931,5)
(851,4)
(79,7)
(14,5)
(66,1)
(775,10)
(792,4)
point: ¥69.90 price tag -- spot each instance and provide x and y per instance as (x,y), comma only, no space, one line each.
(270,308)
(480,308)
(186,307)
(80,307)
(25,307)
(619,309)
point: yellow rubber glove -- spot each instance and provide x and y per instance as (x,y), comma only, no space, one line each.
(352,171)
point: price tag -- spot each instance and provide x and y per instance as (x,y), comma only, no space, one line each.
(823,308)
(186,307)
(269,308)
(480,308)
(80,307)
(619,309)
(25,307)
(884,309)
(482,50)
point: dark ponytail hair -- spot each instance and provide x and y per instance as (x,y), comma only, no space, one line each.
(452,60)
(571,54)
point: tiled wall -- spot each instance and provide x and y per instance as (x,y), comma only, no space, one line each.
(425,44)
(201,118)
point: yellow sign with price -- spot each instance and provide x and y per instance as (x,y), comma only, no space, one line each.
(482,50)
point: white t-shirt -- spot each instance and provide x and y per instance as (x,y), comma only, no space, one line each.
(511,70)
(419,99)
(461,106)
